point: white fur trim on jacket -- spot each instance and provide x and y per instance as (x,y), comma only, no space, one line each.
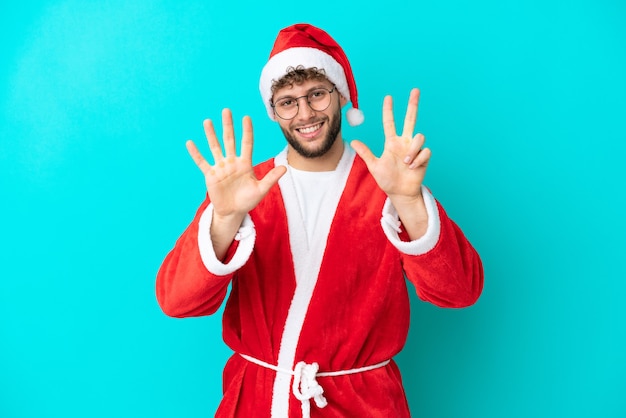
(277,66)
(246,237)
(391,226)
(307,261)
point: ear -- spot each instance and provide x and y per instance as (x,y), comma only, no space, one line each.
(342,100)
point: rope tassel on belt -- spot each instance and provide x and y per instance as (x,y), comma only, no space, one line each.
(305,386)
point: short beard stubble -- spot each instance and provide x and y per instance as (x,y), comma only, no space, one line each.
(331,137)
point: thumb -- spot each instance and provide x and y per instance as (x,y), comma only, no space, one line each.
(271,178)
(363,151)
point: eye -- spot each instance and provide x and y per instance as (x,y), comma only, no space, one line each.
(317,94)
(286,102)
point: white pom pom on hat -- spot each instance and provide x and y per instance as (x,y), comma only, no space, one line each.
(355,117)
(305,45)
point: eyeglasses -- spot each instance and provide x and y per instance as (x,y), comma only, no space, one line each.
(318,100)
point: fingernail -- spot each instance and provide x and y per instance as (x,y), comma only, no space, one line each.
(407,159)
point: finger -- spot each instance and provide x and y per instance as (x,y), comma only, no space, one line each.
(247,140)
(414,148)
(389,125)
(271,178)
(411,114)
(214,143)
(197,157)
(422,159)
(364,152)
(228,133)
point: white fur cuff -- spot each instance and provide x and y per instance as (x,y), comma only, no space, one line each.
(391,226)
(246,237)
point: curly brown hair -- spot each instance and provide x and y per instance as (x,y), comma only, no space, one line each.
(298,75)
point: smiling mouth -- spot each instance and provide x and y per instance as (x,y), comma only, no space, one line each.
(309,129)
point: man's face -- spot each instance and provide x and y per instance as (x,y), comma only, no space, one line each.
(311,133)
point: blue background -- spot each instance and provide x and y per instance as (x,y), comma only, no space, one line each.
(523,104)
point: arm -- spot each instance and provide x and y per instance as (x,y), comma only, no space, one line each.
(436,256)
(195,275)
(442,264)
(451,274)
(184,286)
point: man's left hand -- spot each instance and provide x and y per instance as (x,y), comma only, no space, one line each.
(401,168)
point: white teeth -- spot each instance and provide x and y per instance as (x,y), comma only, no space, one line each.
(310,129)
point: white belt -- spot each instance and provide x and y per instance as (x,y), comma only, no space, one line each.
(305,386)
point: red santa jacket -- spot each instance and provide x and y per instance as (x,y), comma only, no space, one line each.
(341,303)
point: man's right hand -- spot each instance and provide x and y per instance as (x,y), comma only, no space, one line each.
(231,183)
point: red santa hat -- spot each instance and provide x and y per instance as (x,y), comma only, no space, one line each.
(308,46)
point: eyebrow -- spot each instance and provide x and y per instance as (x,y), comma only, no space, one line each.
(319,86)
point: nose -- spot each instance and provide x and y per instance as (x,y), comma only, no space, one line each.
(304,109)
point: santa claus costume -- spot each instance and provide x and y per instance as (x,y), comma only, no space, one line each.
(318,305)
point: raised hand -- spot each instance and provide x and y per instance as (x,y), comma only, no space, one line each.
(401,168)
(231,183)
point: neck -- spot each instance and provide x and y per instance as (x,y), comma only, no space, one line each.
(326,162)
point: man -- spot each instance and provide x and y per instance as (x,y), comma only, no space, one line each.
(315,244)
